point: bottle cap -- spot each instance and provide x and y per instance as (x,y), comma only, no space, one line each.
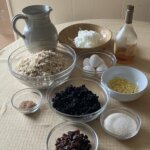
(129,14)
(130,7)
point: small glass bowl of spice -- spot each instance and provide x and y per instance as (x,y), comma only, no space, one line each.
(72,136)
(120,123)
(27,100)
(124,83)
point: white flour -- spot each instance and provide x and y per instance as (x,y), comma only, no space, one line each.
(87,39)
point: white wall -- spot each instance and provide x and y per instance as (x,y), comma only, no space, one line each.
(70,10)
(5,26)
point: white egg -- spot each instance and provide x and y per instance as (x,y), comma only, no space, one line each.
(101,67)
(88,68)
(95,60)
(86,62)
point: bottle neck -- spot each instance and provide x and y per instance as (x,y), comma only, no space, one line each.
(129,17)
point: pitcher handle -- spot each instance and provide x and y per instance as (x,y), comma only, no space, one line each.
(14,21)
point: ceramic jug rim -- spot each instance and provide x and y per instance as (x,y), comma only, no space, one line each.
(36,9)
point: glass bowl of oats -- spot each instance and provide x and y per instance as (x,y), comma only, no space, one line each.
(39,70)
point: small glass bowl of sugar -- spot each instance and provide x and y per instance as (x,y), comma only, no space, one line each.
(120,123)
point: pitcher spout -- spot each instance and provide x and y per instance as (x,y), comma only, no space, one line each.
(36,10)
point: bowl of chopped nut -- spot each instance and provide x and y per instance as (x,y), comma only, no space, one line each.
(78,99)
(39,70)
(124,83)
(72,135)
(27,101)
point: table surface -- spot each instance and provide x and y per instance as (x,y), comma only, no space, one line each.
(20,132)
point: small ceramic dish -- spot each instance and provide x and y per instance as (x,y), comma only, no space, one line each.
(121,136)
(68,34)
(108,58)
(131,74)
(64,127)
(27,94)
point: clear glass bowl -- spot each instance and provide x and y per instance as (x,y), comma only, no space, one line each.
(92,85)
(41,82)
(108,57)
(64,127)
(126,111)
(27,94)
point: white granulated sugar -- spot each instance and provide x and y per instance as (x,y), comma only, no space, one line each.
(120,124)
(87,39)
(43,63)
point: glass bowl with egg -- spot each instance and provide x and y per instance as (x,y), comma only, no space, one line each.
(39,70)
(124,83)
(27,101)
(78,99)
(84,37)
(93,64)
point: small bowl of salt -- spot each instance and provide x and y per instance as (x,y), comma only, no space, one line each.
(120,123)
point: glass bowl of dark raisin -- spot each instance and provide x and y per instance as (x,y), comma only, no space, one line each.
(78,99)
(72,135)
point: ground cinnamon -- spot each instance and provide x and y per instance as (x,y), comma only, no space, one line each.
(27,104)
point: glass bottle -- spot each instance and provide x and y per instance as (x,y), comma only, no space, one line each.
(126,39)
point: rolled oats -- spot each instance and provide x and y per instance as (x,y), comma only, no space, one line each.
(43,63)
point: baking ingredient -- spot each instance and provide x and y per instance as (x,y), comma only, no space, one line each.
(27,104)
(101,67)
(120,124)
(122,85)
(95,60)
(86,62)
(76,101)
(125,55)
(94,64)
(87,39)
(89,68)
(43,63)
(126,39)
(73,140)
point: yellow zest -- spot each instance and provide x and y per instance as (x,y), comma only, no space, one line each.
(122,85)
